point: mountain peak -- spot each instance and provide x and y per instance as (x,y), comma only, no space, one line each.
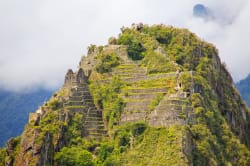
(155,95)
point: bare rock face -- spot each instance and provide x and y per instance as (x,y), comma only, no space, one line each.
(10,145)
(47,151)
(69,78)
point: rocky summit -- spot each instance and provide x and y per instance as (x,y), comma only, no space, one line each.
(155,95)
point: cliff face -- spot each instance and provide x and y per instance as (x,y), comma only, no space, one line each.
(155,95)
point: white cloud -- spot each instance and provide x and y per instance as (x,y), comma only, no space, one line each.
(40,40)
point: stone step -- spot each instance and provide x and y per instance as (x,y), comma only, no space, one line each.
(126,66)
(133,117)
(180,96)
(166,115)
(128,76)
(90,122)
(98,126)
(87,97)
(137,96)
(83,88)
(75,103)
(135,111)
(89,104)
(96,136)
(71,109)
(93,118)
(143,108)
(94,113)
(174,101)
(76,98)
(130,72)
(165,122)
(83,84)
(88,100)
(168,107)
(76,93)
(149,77)
(94,125)
(94,128)
(138,103)
(90,131)
(149,90)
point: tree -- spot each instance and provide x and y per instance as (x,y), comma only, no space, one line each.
(74,157)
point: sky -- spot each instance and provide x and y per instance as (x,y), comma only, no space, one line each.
(41,39)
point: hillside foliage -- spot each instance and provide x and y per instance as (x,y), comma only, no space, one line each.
(216,132)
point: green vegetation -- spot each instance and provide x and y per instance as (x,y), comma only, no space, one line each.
(216,145)
(135,47)
(158,63)
(106,61)
(158,146)
(155,101)
(74,156)
(214,130)
(14,143)
(55,104)
(2,156)
(107,97)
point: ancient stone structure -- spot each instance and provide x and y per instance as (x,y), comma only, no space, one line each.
(81,100)
(172,109)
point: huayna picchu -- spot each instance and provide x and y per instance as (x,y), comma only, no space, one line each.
(155,95)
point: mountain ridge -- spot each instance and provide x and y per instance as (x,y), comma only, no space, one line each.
(15,108)
(155,95)
(244,89)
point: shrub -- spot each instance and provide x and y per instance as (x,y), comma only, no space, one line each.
(106,62)
(74,157)
(157,63)
(55,104)
(135,47)
(2,156)
(107,98)
(105,150)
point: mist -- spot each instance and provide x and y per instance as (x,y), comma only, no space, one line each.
(40,40)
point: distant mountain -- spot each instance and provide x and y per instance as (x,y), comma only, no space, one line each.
(200,10)
(14,110)
(244,88)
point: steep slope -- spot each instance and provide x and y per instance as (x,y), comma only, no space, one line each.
(156,95)
(15,108)
(244,89)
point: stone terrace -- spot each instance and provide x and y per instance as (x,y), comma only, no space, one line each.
(81,100)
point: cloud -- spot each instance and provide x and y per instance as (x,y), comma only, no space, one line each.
(40,40)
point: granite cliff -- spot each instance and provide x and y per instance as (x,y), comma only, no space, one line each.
(155,95)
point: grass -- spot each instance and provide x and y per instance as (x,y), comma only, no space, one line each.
(158,147)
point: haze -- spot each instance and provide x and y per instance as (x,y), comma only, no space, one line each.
(40,40)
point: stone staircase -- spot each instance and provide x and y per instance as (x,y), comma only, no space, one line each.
(81,100)
(138,103)
(132,72)
(129,70)
(173,109)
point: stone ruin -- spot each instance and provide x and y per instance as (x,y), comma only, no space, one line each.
(73,79)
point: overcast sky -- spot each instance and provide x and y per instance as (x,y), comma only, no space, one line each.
(41,39)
